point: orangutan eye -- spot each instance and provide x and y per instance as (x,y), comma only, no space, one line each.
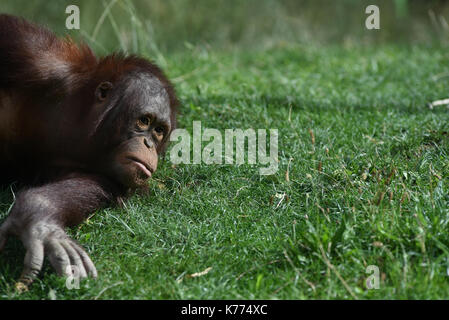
(144,122)
(159,130)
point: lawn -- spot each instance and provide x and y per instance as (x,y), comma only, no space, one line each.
(363,180)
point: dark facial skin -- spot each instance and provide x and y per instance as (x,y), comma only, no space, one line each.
(77,133)
(144,131)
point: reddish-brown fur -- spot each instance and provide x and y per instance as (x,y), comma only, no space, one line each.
(68,131)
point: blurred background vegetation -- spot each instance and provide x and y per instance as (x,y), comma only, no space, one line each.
(162,26)
(372,189)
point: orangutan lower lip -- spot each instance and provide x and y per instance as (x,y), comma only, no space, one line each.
(142,166)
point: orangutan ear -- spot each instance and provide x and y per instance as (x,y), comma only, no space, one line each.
(102,91)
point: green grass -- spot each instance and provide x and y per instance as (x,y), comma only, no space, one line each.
(371,190)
